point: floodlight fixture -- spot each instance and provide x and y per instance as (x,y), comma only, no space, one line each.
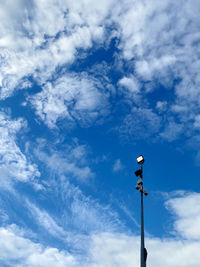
(137,187)
(140,160)
(145,192)
(140,182)
(138,173)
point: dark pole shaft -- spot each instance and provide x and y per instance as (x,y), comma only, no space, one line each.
(142,260)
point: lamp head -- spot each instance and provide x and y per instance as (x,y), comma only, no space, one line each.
(140,160)
(137,187)
(138,173)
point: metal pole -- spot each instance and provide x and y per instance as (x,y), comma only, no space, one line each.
(140,187)
(143,263)
(142,252)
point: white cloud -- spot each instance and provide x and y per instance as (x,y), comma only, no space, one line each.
(187,210)
(140,123)
(73,97)
(159,41)
(172,131)
(73,162)
(154,38)
(88,215)
(131,83)
(107,249)
(116,250)
(84,214)
(179,251)
(117,166)
(19,251)
(80,212)
(161,106)
(31,43)
(46,221)
(13,163)
(123,250)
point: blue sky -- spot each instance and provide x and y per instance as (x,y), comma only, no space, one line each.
(86,87)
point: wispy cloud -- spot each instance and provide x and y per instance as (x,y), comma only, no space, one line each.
(13,163)
(46,221)
(111,248)
(77,98)
(71,162)
(140,123)
(118,166)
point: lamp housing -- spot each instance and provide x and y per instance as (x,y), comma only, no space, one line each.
(138,173)
(140,160)
(140,182)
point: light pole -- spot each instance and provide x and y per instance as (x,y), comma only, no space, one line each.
(140,187)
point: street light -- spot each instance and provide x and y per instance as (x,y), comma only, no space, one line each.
(140,187)
(138,173)
(140,160)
